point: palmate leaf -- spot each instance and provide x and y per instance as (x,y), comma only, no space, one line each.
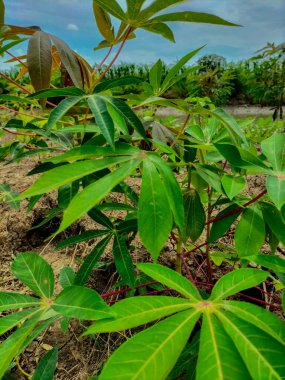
(123,260)
(275,263)
(259,317)
(55,92)
(90,261)
(34,272)
(133,361)
(39,60)
(273,219)
(233,185)
(220,227)
(154,212)
(155,7)
(134,7)
(276,189)
(87,235)
(237,281)
(69,61)
(13,344)
(194,218)
(82,303)
(47,366)
(63,107)
(104,23)
(188,16)
(160,28)
(263,356)
(250,232)
(133,312)
(10,301)
(95,192)
(12,320)
(171,279)
(112,7)
(62,175)
(218,357)
(117,82)
(173,190)
(66,277)
(274,150)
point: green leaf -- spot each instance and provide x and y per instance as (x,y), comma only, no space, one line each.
(194,218)
(103,119)
(55,92)
(128,114)
(274,220)
(161,29)
(47,366)
(95,192)
(62,175)
(69,61)
(58,112)
(8,46)
(87,235)
(155,75)
(137,311)
(100,218)
(274,150)
(173,72)
(230,124)
(155,7)
(39,60)
(154,213)
(66,277)
(188,16)
(12,320)
(91,151)
(34,272)
(18,99)
(173,190)
(250,232)
(112,7)
(233,185)
(123,260)
(131,360)
(236,281)
(103,21)
(275,263)
(171,279)
(259,317)
(134,7)
(117,82)
(13,344)
(220,227)
(210,176)
(276,189)
(90,261)
(82,303)
(10,301)
(218,358)
(263,356)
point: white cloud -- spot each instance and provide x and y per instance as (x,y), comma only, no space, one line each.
(72,27)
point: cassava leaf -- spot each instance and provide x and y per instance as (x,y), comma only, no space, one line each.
(171,279)
(237,281)
(47,366)
(82,303)
(34,272)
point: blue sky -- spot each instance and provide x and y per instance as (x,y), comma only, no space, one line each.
(73,21)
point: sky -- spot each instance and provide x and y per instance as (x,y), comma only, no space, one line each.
(72,20)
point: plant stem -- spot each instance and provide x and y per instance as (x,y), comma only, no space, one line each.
(129,31)
(181,131)
(209,265)
(102,62)
(178,256)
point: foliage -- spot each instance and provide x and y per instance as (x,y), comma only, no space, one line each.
(93,141)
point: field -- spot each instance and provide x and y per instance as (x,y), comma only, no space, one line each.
(142,231)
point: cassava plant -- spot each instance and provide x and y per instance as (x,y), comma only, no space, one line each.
(192,179)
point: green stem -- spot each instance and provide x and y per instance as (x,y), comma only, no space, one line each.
(178,256)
